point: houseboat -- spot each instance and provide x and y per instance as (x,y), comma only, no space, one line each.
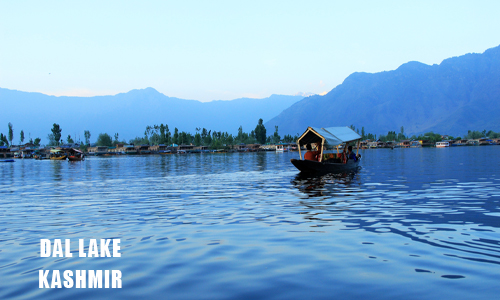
(415,144)
(98,150)
(282,148)
(442,144)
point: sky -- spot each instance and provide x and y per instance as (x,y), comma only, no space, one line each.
(223,50)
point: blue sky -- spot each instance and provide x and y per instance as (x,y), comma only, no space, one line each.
(222,50)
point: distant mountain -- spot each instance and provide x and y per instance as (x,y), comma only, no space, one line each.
(460,94)
(129,113)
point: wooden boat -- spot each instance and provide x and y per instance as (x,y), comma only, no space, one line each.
(7,160)
(63,157)
(76,155)
(328,162)
(56,154)
(76,158)
(311,166)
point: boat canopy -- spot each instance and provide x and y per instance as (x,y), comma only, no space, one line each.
(77,151)
(55,151)
(332,136)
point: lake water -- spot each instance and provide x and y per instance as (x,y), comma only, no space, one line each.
(411,224)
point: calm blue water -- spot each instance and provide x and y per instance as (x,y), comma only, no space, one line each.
(411,224)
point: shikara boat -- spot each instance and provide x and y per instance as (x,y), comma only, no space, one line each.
(56,154)
(329,161)
(76,155)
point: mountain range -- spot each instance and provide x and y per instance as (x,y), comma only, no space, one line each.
(129,113)
(460,94)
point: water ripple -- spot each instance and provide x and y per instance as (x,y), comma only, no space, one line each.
(232,226)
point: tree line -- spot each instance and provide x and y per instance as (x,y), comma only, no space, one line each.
(6,140)
(161,134)
(429,136)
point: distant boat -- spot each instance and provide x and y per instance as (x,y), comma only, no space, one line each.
(57,155)
(329,162)
(7,160)
(442,144)
(281,148)
(76,155)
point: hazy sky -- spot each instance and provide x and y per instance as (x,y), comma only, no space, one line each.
(209,50)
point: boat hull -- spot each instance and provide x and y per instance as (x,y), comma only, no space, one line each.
(58,157)
(76,158)
(310,166)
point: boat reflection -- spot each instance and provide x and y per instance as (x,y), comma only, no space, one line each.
(320,185)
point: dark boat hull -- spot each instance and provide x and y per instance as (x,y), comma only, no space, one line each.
(76,158)
(310,166)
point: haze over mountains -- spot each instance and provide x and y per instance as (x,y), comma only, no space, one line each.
(128,114)
(462,93)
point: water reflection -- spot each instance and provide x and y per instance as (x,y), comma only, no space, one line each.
(261,161)
(57,167)
(317,185)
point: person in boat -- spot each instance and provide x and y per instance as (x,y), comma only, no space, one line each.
(351,155)
(311,155)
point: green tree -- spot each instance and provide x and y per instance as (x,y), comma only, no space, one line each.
(163,137)
(104,139)
(52,140)
(11,132)
(260,132)
(197,139)
(276,136)
(154,138)
(56,132)
(230,141)
(433,137)
(22,136)
(37,142)
(70,140)
(83,147)
(168,138)
(474,134)
(401,135)
(135,141)
(288,138)
(183,138)
(86,133)
(3,140)
(207,141)
(176,136)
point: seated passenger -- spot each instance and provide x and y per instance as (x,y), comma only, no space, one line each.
(351,155)
(311,155)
